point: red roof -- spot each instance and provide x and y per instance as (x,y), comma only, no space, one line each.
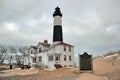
(34,47)
(62,43)
(46,44)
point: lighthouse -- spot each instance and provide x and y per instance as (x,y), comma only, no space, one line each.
(57,27)
(53,56)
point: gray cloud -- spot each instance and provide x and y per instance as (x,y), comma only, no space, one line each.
(90,25)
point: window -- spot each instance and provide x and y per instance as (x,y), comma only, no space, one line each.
(64,57)
(69,58)
(40,50)
(50,58)
(70,65)
(57,57)
(64,48)
(31,51)
(69,49)
(40,58)
(34,60)
(64,65)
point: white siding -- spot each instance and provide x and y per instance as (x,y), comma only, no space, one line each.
(57,20)
(67,53)
(57,50)
(26,62)
(44,61)
(40,46)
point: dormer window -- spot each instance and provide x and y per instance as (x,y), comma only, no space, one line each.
(40,50)
(64,48)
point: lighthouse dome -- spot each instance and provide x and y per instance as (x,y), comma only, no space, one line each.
(57,12)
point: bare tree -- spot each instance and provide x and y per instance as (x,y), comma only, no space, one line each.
(13,50)
(23,49)
(3,51)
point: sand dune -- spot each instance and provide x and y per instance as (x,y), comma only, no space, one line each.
(101,66)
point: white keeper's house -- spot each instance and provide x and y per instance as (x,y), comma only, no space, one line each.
(45,55)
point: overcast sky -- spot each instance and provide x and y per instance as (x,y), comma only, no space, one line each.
(92,26)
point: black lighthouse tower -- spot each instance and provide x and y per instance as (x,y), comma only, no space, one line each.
(57,30)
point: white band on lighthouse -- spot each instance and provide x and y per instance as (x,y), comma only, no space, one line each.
(57,20)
